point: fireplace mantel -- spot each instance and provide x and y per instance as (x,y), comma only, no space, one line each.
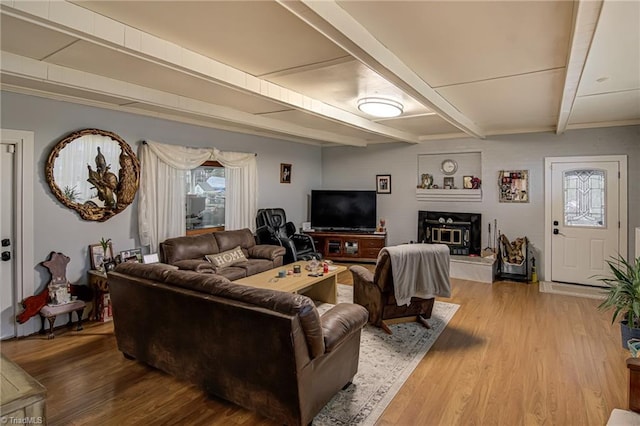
(448,194)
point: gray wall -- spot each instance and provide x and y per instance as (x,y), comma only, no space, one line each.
(60,229)
(356,168)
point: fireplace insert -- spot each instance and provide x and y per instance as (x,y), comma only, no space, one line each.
(460,231)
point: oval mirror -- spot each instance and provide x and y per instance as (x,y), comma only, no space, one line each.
(94,172)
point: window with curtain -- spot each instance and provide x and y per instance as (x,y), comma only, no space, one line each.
(205,189)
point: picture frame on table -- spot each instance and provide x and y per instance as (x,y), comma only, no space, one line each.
(150,258)
(109,265)
(97,255)
(467,182)
(126,255)
(448,183)
(285,173)
(383,184)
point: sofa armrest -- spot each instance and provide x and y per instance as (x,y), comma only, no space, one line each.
(266,251)
(361,275)
(341,321)
(197,265)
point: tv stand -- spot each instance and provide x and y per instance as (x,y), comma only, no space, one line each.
(349,246)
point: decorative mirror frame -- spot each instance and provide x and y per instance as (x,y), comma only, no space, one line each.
(124,194)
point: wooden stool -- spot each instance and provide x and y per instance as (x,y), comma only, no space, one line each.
(51,312)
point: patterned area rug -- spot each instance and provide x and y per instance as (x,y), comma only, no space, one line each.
(386,361)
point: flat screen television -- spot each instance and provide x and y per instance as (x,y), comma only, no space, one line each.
(343,210)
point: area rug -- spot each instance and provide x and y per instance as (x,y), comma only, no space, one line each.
(575,290)
(386,361)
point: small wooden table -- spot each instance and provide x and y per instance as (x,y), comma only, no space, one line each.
(323,288)
(98,282)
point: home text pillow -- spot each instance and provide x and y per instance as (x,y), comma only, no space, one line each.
(227,258)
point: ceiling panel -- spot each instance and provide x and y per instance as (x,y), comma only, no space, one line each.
(466,41)
(426,125)
(257,37)
(120,66)
(614,44)
(314,122)
(527,101)
(608,107)
(30,40)
(342,84)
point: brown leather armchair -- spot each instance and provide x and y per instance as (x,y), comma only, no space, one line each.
(374,291)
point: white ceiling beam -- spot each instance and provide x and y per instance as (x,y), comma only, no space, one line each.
(336,24)
(30,69)
(585,20)
(131,41)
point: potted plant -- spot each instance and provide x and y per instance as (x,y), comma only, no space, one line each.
(623,296)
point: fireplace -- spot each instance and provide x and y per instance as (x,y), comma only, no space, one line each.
(460,231)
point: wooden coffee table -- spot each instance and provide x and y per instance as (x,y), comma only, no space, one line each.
(323,288)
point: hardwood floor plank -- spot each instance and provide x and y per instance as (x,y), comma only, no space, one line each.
(510,356)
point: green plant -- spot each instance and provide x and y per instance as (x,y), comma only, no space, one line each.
(105,245)
(623,292)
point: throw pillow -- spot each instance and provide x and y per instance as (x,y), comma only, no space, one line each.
(227,258)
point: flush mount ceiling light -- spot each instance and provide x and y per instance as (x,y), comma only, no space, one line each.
(380,107)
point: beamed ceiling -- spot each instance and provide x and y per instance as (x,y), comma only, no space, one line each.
(294,70)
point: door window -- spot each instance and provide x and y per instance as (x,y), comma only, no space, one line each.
(584,198)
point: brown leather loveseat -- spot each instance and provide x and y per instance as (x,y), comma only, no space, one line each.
(266,350)
(190,253)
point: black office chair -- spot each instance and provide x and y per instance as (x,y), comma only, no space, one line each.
(273,228)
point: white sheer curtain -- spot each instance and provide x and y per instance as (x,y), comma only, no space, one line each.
(161,206)
(241,173)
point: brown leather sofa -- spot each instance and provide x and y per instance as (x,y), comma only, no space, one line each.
(189,253)
(374,291)
(265,350)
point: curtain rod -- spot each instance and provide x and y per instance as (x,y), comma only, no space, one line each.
(145,143)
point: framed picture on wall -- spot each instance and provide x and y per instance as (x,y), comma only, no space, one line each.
(383,184)
(513,186)
(285,173)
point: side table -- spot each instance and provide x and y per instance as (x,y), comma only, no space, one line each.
(98,282)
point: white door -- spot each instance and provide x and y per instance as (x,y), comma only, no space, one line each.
(7,239)
(585,216)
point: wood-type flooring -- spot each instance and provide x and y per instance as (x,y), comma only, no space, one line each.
(510,356)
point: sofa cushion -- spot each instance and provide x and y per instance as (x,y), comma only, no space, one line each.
(228,240)
(227,258)
(255,266)
(232,272)
(197,265)
(189,247)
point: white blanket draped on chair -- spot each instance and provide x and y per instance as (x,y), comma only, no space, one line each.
(419,270)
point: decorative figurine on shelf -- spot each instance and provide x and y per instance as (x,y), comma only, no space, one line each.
(426,181)
(475,182)
(381,228)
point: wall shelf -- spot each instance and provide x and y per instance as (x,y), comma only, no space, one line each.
(448,194)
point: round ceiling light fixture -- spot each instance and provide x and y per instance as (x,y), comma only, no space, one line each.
(380,107)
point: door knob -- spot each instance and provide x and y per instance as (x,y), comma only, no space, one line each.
(6,242)
(6,256)
(555,231)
